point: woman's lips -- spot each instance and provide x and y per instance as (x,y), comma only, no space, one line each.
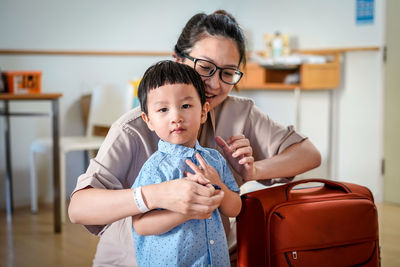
(209,98)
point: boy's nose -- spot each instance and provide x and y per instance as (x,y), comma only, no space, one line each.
(176,117)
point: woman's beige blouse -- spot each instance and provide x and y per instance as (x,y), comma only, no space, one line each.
(129,143)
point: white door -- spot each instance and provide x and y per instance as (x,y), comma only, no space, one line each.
(391,186)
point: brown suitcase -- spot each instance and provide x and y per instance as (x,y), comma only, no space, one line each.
(335,224)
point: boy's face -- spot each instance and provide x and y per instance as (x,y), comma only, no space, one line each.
(175,113)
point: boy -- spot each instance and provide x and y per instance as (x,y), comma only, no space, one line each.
(172,99)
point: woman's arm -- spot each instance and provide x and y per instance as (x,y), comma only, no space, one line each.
(93,206)
(157,222)
(295,159)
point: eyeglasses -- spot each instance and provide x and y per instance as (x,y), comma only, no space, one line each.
(206,68)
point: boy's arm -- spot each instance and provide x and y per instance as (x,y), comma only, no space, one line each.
(154,222)
(231,204)
(157,222)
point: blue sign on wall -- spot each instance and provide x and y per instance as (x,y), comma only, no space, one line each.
(365,11)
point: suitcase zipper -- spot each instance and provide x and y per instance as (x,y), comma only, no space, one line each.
(288,260)
(294,256)
(279,215)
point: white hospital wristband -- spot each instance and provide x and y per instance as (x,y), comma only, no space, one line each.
(138,197)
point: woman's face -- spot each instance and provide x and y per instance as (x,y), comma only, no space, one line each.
(224,53)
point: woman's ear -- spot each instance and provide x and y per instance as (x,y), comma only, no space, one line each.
(204,111)
(147,121)
(177,58)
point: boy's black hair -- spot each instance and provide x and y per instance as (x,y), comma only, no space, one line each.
(169,72)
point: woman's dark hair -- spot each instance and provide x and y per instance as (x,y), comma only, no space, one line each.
(169,72)
(219,23)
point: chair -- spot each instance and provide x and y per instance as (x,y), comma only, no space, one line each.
(107,104)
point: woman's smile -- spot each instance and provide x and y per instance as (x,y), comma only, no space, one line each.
(209,97)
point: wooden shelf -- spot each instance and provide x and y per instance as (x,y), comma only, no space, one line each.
(5,51)
(30,96)
(312,76)
(270,86)
(84,53)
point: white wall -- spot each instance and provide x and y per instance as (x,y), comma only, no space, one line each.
(155,26)
(314,23)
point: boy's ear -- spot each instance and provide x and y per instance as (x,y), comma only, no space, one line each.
(204,111)
(147,121)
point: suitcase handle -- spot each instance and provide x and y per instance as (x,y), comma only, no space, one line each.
(327,183)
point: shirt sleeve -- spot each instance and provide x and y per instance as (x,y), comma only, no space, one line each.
(113,163)
(116,164)
(268,138)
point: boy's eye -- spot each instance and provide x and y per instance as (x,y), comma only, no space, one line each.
(185,106)
(162,110)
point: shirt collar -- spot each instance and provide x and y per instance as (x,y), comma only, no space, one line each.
(179,150)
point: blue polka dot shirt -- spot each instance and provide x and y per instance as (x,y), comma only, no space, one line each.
(195,242)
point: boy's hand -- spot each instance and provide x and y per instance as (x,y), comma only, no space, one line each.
(197,178)
(231,203)
(204,171)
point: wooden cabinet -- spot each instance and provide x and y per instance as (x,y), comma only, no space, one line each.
(312,76)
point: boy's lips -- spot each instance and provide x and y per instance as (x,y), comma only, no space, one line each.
(177,130)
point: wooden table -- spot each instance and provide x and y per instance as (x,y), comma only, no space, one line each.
(54,97)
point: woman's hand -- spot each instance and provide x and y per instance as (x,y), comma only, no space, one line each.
(184,196)
(239,154)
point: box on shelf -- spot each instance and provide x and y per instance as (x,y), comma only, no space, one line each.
(22,81)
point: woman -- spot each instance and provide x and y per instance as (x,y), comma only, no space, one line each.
(214,45)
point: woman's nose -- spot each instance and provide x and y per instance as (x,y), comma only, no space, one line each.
(213,82)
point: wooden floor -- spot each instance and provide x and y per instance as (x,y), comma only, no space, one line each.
(29,240)
(389,234)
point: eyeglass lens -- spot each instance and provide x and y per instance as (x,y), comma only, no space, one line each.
(207,69)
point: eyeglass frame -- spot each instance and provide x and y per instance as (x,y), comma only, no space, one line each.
(215,70)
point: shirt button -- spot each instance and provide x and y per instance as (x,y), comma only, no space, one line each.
(211,242)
